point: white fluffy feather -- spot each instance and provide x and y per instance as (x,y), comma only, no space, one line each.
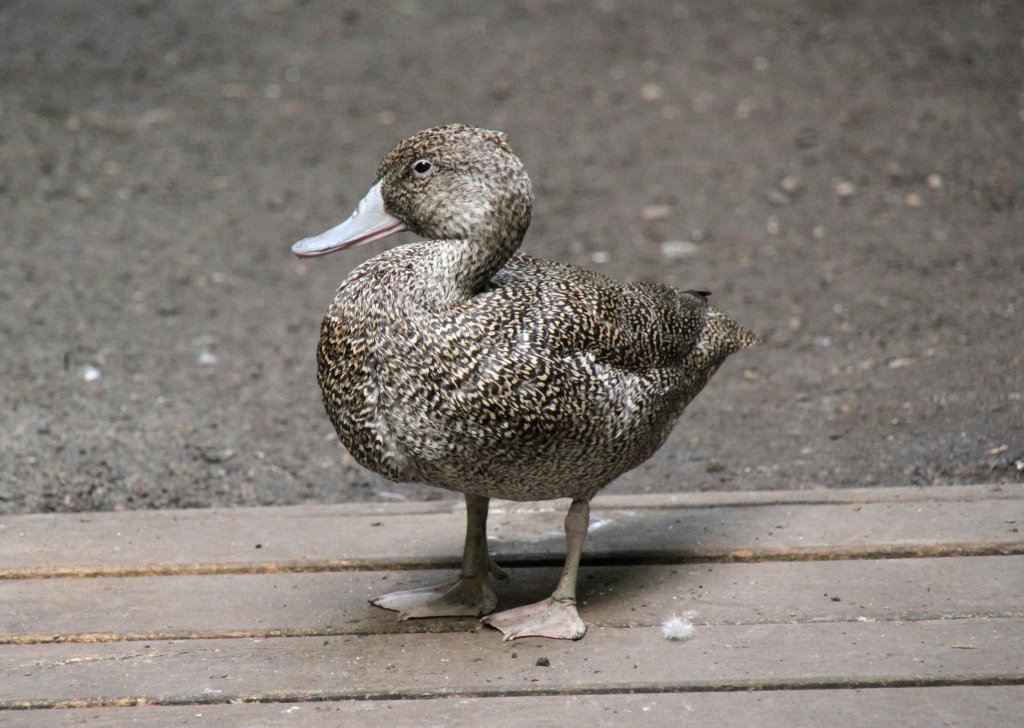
(677,628)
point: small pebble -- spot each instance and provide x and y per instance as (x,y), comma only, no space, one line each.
(845,189)
(912,199)
(651,92)
(790,184)
(935,181)
(91,374)
(543,662)
(679,248)
(656,212)
(207,357)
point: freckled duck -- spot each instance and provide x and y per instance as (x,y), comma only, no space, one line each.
(456,362)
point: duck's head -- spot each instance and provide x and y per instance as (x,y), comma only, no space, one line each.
(446,183)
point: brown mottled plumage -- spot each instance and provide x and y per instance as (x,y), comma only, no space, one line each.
(458,363)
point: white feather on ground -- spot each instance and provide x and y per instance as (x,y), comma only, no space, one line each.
(678,629)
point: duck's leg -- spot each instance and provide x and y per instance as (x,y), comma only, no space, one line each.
(469,595)
(556,616)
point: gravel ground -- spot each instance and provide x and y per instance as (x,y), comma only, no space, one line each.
(846,177)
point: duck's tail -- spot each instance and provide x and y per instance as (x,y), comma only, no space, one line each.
(721,336)
(727,333)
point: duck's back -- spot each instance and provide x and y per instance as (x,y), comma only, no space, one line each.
(549,383)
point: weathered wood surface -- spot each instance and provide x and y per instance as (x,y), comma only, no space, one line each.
(869,523)
(476,663)
(857,708)
(269,605)
(863,607)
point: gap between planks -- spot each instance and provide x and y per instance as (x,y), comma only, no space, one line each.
(908,708)
(641,558)
(434,625)
(639,688)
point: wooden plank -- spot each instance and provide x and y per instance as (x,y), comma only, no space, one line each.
(815,495)
(336,537)
(609,660)
(328,603)
(977,707)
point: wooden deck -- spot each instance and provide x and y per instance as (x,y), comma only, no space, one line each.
(881,607)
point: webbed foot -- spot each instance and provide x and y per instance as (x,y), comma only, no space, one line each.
(464,597)
(553,618)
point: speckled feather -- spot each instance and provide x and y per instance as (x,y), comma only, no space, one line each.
(456,363)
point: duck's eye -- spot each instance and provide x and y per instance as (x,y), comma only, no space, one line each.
(422,167)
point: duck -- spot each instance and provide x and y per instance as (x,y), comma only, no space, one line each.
(458,362)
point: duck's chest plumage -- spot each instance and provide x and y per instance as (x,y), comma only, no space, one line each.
(548,383)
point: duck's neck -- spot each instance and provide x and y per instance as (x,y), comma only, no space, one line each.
(459,268)
(472,262)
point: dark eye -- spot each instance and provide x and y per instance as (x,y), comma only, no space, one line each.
(422,167)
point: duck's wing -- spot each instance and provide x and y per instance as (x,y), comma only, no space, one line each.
(630,326)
